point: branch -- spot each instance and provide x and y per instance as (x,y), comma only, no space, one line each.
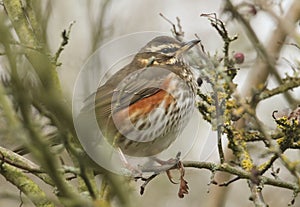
(65,39)
(256,195)
(242,174)
(288,84)
(268,55)
(40,62)
(178,33)
(13,159)
(99,32)
(25,184)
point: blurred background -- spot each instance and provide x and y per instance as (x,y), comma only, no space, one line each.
(100,21)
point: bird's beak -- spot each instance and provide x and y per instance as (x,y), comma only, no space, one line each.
(187,46)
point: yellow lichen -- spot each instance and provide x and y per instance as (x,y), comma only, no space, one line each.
(280,140)
(246,162)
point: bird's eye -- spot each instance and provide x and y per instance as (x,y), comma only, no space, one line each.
(165,50)
(168,50)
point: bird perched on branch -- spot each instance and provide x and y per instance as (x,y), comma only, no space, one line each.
(142,108)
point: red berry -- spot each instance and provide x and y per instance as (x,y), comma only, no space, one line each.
(239,57)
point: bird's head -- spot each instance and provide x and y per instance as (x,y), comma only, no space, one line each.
(164,49)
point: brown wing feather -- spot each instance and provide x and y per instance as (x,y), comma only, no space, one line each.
(125,95)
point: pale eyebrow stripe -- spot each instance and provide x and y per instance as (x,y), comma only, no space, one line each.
(160,47)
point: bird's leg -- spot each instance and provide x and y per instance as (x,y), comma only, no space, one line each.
(171,163)
(133,171)
(165,166)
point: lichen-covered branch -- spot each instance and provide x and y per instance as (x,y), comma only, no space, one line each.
(242,174)
(287,84)
(38,58)
(240,113)
(25,184)
(269,54)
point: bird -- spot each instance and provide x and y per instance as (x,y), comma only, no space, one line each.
(144,106)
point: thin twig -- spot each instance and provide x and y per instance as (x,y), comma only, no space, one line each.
(65,40)
(179,34)
(99,31)
(229,182)
(147,180)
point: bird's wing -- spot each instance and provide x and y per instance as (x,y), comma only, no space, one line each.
(140,84)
